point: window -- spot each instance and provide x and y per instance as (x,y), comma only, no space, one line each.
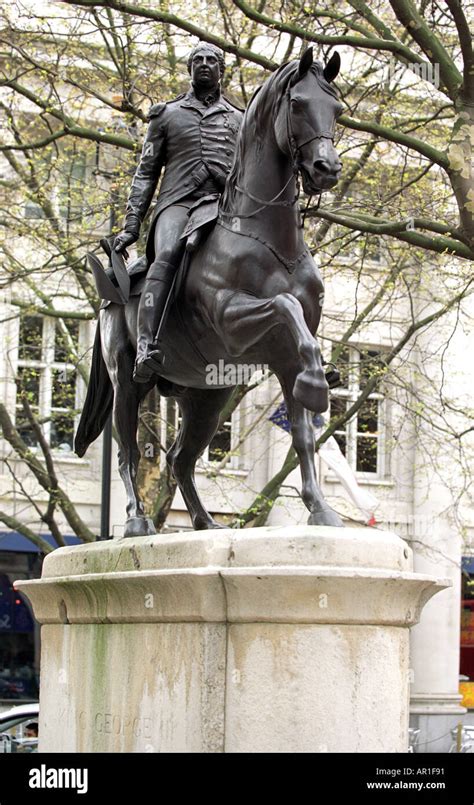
(18,678)
(370,248)
(34,210)
(71,189)
(68,185)
(19,735)
(47,375)
(222,443)
(467,617)
(361,439)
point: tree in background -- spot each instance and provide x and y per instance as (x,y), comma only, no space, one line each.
(77,82)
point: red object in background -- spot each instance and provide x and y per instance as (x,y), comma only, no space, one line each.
(467,639)
(14,614)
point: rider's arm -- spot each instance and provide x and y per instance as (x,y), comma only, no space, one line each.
(148,171)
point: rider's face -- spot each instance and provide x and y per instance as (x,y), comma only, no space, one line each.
(205,71)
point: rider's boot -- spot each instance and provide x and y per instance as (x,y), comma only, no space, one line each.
(152,303)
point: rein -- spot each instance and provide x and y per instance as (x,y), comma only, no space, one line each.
(293,147)
(272,203)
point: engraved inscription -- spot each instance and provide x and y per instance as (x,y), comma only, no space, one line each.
(111,724)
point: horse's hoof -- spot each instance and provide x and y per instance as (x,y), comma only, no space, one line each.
(325,517)
(312,394)
(204,525)
(139,527)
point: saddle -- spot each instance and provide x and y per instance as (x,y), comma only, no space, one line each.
(118,282)
(202,217)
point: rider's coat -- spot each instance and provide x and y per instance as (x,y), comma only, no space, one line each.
(194,142)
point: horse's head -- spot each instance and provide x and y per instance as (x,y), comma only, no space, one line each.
(305,123)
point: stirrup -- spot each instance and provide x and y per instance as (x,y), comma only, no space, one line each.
(151,365)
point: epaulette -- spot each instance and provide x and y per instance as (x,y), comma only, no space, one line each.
(231,103)
(158,108)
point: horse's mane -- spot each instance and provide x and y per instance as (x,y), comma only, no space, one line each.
(261,111)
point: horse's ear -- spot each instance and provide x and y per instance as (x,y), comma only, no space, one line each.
(332,67)
(305,62)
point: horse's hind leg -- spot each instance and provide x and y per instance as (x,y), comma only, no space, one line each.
(119,356)
(302,435)
(127,401)
(200,411)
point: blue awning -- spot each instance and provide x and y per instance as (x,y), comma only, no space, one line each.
(468,564)
(16,542)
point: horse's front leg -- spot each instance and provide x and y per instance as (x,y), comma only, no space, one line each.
(244,320)
(302,435)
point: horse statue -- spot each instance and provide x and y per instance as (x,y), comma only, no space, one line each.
(251,294)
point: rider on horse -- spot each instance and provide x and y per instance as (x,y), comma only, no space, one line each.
(253,293)
(194,136)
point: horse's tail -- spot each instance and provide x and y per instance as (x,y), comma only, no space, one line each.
(98,402)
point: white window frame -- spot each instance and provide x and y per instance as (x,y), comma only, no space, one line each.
(47,366)
(234,462)
(203,463)
(350,394)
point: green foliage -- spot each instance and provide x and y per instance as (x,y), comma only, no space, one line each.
(79,78)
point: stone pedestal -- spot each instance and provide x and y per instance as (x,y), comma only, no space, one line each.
(262,640)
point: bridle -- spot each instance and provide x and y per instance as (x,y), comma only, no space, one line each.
(293,145)
(293,148)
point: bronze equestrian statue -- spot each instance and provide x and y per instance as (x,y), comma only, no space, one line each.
(194,137)
(249,294)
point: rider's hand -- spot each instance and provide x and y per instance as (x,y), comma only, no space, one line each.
(123,240)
